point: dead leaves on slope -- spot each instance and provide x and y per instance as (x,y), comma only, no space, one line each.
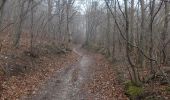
(104,85)
(17,86)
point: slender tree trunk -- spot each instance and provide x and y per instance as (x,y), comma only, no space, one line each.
(134,70)
(152,7)
(133,35)
(141,42)
(49,25)
(68,35)
(114,44)
(2,3)
(164,33)
(108,33)
(32,24)
(18,26)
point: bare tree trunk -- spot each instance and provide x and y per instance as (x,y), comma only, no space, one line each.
(141,42)
(133,35)
(2,3)
(18,26)
(68,35)
(164,33)
(108,33)
(134,70)
(152,7)
(32,24)
(49,17)
(114,44)
(60,21)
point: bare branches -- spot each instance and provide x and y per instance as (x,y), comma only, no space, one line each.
(121,33)
(121,9)
(157,11)
(6,27)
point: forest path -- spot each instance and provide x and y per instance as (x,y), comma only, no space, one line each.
(66,84)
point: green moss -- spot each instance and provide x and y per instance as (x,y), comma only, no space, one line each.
(132,90)
(135,91)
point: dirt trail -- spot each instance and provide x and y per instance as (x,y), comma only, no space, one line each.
(66,84)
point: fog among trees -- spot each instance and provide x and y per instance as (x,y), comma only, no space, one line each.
(131,34)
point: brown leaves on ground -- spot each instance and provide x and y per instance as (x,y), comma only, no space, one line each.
(104,85)
(16,86)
